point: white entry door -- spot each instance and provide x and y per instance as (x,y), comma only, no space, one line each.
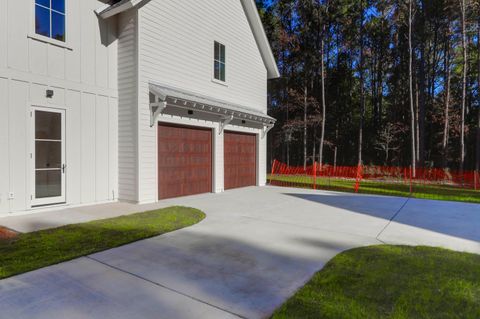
(48,156)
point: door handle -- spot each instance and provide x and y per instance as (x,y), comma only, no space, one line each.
(63,168)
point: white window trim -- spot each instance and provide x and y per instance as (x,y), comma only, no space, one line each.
(32,34)
(214,80)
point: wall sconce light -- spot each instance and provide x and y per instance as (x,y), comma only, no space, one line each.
(49,94)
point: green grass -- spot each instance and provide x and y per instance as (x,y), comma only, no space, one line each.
(437,192)
(47,247)
(391,282)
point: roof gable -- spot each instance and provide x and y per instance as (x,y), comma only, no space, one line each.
(250,8)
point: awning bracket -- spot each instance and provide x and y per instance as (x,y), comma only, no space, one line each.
(224,122)
(158,104)
(155,110)
(266,129)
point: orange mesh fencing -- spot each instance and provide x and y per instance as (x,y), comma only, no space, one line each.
(401,181)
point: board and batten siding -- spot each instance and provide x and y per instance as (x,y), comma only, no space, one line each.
(176,48)
(83,76)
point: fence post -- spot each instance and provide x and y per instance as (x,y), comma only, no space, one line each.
(476,177)
(410,180)
(359,176)
(273,170)
(314,174)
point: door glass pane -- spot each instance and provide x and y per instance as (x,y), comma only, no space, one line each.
(48,154)
(48,184)
(48,125)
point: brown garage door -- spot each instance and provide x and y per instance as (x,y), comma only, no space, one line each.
(240,160)
(184,161)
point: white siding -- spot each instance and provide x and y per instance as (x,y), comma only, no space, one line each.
(128,106)
(101,149)
(3,34)
(83,75)
(100,78)
(176,48)
(113,149)
(74,149)
(262,160)
(17,133)
(4,158)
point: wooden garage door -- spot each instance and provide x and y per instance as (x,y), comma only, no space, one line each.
(240,160)
(184,161)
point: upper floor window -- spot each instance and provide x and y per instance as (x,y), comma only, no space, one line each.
(50,18)
(219,62)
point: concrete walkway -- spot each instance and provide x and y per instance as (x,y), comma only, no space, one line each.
(254,249)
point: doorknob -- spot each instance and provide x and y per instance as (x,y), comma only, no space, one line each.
(63,168)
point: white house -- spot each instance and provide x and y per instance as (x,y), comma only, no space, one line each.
(133,100)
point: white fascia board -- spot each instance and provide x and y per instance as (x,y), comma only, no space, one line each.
(261,37)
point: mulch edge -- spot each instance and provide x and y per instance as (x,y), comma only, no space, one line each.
(7,233)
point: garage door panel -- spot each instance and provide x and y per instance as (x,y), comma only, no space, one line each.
(240,160)
(184,161)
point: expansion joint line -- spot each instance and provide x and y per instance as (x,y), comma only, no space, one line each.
(392,219)
(164,287)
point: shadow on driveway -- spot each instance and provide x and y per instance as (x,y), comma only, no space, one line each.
(461,220)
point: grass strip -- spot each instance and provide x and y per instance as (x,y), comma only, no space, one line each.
(30,251)
(391,282)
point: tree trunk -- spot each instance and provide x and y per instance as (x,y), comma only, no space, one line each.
(324,107)
(477,165)
(410,76)
(305,105)
(314,151)
(464,85)
(362,88)
(446,103)
(417,121)
(422,80)
(421,106)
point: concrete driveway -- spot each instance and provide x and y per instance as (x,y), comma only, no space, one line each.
(256,247)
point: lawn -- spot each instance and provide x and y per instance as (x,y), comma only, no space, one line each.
(391,282)
(35,250)
(437,192)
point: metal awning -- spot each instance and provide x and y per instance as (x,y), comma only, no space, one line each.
(226,113)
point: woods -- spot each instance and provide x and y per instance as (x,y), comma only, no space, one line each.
(375,82)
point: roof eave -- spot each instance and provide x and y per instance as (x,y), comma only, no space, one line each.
(262,39)
(253,16)
(108,11)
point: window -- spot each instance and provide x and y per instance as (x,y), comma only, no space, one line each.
(219,62)
(50,18)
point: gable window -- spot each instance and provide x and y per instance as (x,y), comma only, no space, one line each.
(219,62)
(50,19)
